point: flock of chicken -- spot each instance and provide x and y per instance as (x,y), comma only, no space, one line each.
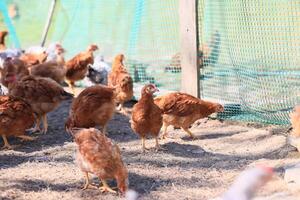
(34,89)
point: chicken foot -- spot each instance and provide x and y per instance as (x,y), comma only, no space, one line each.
(6,144)
(105,187)
(165,134)
(143,145)
(104,130)
(188,132)
(36,128)
(87,182)
(26,138)
(45,124)
(157,146)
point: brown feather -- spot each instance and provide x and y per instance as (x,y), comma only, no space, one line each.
(51,69)
(43,94)
(94,106)
(121,80)
(15,116)
(77,67)
(182,109)
(13,68)
(98,155)
(146,117)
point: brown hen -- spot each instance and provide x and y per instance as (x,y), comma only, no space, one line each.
(43,94)
(98,155)
(31,59)
(146,117)
(182,110)
(77,67)
(13,70)
(120,79)
(52,69)
(15,117)
(94,106)
(3,35)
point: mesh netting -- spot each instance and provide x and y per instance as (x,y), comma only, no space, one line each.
(147,32)
(249,49)
(251,57)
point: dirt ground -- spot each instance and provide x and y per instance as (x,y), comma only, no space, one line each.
(187,169)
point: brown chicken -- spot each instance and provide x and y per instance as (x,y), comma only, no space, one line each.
(98,155)
(182,110)
(31,59)
(52,69)
(15,117)
(146,117)
(121,80)
(94,106)
(13,70)
(295,121)
(77,67)
(3,35)
(43,94)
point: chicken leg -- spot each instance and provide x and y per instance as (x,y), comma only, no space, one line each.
(36,127)
(87,182)
(26,137)
(45,124)
(71,86)
(143,145)
(188,132)
(165,128)
(105,187)
(157,146)
(104,129)
(6,144)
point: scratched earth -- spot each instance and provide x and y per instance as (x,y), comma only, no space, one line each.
(186,169)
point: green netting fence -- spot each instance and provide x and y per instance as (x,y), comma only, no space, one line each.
(250,47)
(147,32)
(253,62)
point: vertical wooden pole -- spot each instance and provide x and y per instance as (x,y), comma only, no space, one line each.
(189,47)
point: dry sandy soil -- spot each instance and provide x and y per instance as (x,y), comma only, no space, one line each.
(187,169)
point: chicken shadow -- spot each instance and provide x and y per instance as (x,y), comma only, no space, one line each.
(145,184)
(215,135)
(35,185)
(11,160)
(140,183)
(119,127)
(199,158)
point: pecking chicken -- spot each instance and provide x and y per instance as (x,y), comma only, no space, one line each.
(295,121)
(3,34)
(51,69)
(180,109)
(77,67)
(96,154)
(31,59)
(43,94)
(13,70)
(15,117)
(94,106)
(146,117)
(121,80)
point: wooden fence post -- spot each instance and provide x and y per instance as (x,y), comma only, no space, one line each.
(189,47)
